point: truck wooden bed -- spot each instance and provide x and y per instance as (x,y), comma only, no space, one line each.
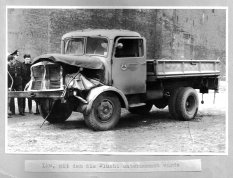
(164,68)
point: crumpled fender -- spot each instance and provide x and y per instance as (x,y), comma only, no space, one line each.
(98,90)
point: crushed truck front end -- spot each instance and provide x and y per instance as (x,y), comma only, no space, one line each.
(78,79)
(46,81)
(61,87)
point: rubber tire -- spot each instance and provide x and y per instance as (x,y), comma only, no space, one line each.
(92,120)
(145,109)
(184,95)
(59,112)
(161,103)
(172,103)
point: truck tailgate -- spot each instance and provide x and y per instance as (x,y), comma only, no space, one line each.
(182,68)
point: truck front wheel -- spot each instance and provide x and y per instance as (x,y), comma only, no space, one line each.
(187,103)
(53,110)
(105,112)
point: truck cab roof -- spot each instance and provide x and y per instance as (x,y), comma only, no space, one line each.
(111,34)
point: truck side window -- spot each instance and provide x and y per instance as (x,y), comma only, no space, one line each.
(130,48)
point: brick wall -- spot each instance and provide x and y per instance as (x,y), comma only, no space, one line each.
(28,31)
(142,21)
(173,34)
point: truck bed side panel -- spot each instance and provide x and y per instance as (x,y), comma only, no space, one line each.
(182,68)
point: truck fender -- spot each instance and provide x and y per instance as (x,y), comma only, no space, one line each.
(95,92)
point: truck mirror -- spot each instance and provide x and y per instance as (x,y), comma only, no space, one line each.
(119,45)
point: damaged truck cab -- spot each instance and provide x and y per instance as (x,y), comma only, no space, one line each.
(101,71)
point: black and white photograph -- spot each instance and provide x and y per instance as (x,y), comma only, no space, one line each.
(146,81)
(122,88)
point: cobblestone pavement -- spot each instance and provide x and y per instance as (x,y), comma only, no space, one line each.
(155,133)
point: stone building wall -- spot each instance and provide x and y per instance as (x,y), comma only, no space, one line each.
(170,33)
(28,31)
(142,21)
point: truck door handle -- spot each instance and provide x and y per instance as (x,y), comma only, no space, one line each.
(193,63)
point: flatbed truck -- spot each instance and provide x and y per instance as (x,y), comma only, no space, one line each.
(100,71)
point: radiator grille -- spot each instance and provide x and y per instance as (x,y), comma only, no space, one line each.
(38,72)
(36,85)
(46,76)
(53,72)
(54,84)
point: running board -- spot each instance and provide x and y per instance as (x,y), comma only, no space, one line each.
(136,105)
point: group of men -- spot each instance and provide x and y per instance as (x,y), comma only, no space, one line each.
(18,76)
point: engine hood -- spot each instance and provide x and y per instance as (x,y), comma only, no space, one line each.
(90,62)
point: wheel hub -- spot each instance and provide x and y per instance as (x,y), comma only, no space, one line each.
(105,110)
(190,104)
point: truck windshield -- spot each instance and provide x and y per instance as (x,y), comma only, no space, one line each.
(94,46)
(75,46)
(97,46)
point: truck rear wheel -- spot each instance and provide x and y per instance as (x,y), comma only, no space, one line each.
(58,112)
(105,112)
(172,103)
(187,104)
(145,109)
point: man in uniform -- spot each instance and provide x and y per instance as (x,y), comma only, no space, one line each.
(10,84)
(26,78)
(16,71)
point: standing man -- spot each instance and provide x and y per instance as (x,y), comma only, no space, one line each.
(16,71)
(26,78)
(10,84)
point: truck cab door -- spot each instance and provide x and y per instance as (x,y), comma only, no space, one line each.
(129,65)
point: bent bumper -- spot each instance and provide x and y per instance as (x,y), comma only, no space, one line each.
(36,94)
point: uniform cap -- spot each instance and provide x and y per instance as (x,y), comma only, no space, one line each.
(14,53)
